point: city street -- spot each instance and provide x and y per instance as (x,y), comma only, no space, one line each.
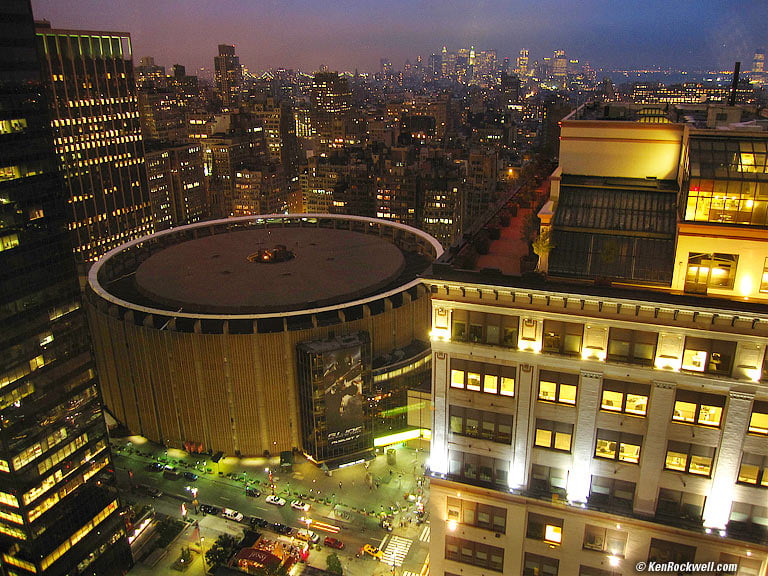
(353,500)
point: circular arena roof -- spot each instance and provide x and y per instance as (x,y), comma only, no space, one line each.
(263,265)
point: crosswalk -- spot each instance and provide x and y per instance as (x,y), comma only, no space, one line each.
(424,536)
(395,550)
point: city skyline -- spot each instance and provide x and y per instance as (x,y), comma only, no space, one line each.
(346,36)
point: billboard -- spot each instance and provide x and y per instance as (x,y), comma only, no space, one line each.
(342,386)
(334,388)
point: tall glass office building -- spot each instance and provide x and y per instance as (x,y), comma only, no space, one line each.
(58,514)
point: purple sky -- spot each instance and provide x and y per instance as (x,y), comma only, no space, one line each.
(349,34)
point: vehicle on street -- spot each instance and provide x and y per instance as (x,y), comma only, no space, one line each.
(373,551)
(191,476)
(332,542)
(255,521)
(276,500)
(151,490)
(154,467)
(307,535)
(171,473)
(253,492)
(300,505)
(208,509)
(232,514)
(282,529)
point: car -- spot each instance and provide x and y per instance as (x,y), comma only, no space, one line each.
(232,514)
(332,542)
(155,467)
(276,500)
(307,535)
(208,509)
(191,476)
(260,522)
(282,529)
(373,551)
(300,505)
(154,492)
(253,492)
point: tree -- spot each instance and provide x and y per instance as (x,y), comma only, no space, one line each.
(334,564)
(542,246)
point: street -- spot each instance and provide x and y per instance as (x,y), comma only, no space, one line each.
(348,504)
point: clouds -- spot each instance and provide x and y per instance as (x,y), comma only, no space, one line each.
(346,34)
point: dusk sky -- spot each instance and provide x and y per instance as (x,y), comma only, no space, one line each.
(349,34)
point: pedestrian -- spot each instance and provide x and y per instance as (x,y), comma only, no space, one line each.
(339,485)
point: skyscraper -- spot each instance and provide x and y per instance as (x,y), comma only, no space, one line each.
(95,119)
(331,108)
(228,76)
(57,515)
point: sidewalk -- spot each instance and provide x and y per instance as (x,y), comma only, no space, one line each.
(356,499)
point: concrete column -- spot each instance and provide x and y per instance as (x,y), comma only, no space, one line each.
(583,441)
(525,391)
(654,450)
(438,460)
(717,510)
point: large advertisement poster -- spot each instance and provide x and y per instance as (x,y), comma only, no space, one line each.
(342,383)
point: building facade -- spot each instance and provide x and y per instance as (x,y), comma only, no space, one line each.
(615,411)
(95,120)
(58,511)
(207,329)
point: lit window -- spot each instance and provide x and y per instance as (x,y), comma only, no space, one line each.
(758,421)
(698,408)
(457,379)
(691,458)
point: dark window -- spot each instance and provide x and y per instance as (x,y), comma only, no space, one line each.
(610,494)
(474,553)
(678,505)
(634,346)
(562,337)
(664,551)
(535,565)
(481,424)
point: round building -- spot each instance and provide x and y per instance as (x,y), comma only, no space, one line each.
(263,333)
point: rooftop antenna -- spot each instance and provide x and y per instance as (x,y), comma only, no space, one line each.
(734,84)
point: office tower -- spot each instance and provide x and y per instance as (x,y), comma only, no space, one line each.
(615,410)
(228,76)
(330,108)
(96,127)
(177,184)
(279,133)
(149,75)
(58,512)
(162,115)
(522,63)
(559,66)
(759,76)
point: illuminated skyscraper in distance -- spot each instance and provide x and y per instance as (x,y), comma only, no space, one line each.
(58,514)
(95,119)
(522,63)
(758,68)
(228,76)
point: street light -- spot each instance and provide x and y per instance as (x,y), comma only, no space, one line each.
(202,553)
